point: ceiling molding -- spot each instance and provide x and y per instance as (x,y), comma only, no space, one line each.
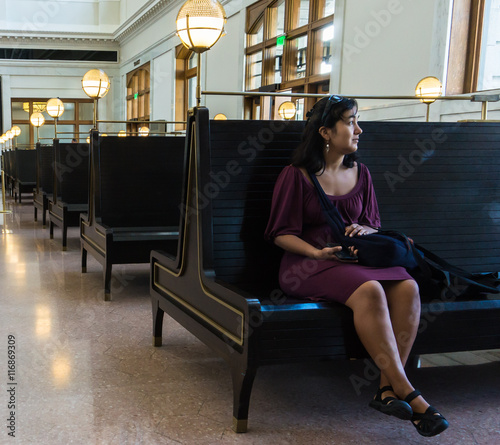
(62,40)
(143,18)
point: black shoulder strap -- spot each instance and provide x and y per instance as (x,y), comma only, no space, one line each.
(331,213)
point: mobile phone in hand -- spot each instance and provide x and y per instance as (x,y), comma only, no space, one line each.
(343,255)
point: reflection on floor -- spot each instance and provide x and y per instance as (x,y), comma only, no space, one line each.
(85,370)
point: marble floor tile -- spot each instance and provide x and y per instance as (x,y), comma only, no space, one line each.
(86,371)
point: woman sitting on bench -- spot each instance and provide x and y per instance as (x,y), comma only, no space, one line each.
(385,301)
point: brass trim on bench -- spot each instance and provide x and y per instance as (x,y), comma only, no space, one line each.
(206,291)
(93,244)
(55,215)
(200,314)
(85,223)
(240,425)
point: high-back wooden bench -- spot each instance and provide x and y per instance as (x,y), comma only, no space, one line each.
(44,180)
(135,196)
(9,170)
(438,182)
(25,172)
(71,180)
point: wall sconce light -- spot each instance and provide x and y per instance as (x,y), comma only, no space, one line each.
(95,84)
(37,120)
(428,90)
(220,117)
(55,109)
(287,110)
(200,24)
(144,131)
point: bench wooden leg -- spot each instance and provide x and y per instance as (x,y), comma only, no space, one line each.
(64,236)
(84,260)
(413,362)
(107,281)
(242,388)
(51,230)
(157,322)
(36,214)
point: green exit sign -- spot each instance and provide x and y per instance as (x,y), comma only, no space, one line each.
(136,95)
(280,41)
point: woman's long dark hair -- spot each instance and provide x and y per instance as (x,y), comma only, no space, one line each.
(309,154)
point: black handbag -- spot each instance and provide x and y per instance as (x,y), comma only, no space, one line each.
(386,248)
(436,277)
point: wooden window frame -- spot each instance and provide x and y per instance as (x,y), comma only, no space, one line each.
(76,122)
(261,12)
(182,76)
(138,82)
(465,46)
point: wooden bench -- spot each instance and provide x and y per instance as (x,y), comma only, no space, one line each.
(135,195)
(9,171)
(25,172)
(71,187)
(44,180)
(438,182)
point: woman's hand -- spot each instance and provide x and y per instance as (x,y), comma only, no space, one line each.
(357,229)
(328,253)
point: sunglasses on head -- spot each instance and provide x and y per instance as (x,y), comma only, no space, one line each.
(332,100)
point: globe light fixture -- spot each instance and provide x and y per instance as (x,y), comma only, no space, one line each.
(8,137)
(122,133)
(37,120)
(220,117)
(96,84)
(16,131)
(287,110)
(55,109)
(144,131)
(428,90)
(200,24)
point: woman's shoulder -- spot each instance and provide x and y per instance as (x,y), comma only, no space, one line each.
(296,174)
(362,169)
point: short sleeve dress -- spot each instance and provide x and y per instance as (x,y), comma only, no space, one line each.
(296,211)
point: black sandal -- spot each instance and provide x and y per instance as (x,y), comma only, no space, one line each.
(390,405)
(430,423)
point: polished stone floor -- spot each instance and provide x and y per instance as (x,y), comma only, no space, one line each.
(85,371)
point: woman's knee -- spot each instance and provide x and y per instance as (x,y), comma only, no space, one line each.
(409,290)
(369,296)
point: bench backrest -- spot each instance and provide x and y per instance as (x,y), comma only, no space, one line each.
(437,182)
(8,163)
(45,167)
(245,160)
(11,163)
(71,172)
(25,164)
(137,181)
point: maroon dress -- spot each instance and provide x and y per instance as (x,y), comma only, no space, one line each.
(296,211)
